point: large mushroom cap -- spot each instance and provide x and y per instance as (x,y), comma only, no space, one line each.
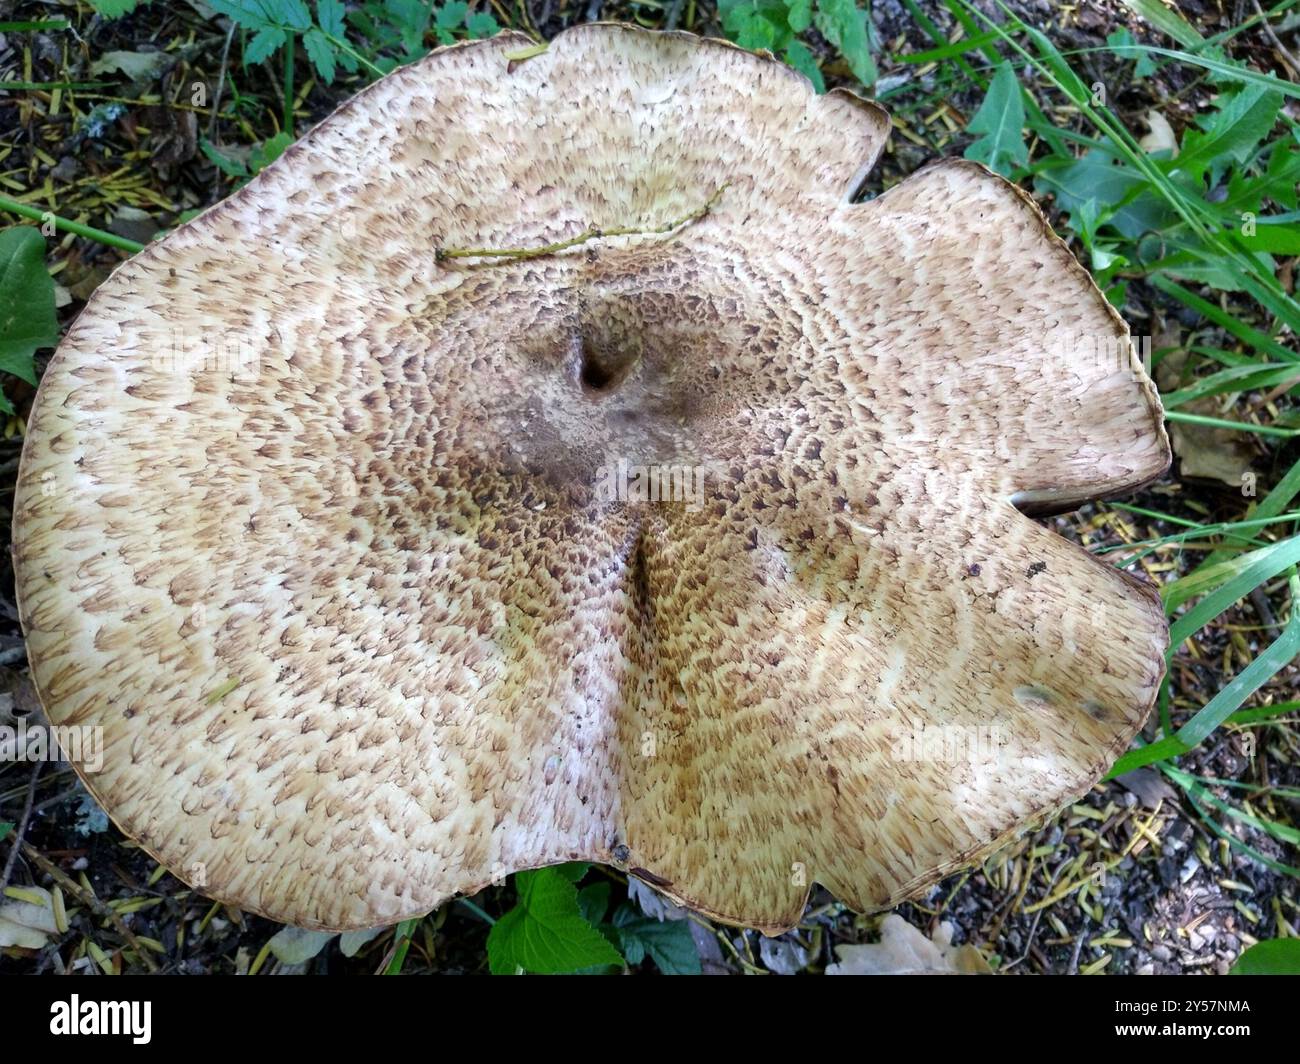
(317,525)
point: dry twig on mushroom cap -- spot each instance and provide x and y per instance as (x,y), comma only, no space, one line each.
(361,629)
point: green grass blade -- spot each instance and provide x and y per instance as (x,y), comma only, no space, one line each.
(1234,426)
(1256,339)
(1234,379)
(1242,575)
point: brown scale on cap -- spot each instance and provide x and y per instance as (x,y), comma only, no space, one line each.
(362,629)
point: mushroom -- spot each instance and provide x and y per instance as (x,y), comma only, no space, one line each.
(316,518)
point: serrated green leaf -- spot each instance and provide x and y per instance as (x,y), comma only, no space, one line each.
(799,56)
(751,27)
(1231,134)
(321,53)
(1001,121)
(27,313)
(481,24)
(265,43)
(844,24)
(451,16)
(1278,182)
(329,17)
(545,932)
(666,942)
(800,15)
(290,13)
(247,14)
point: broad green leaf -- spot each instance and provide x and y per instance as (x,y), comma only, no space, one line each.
(1274,239)
(1274,956)
(1167,20)
(666,942)
(27,313)
(5,827)
(844,24)
(350,942)
(268,151)
(1000,120)
(1120,197)
(297,945)
(545,932)
(593,902)
(572,870)
(1121,38)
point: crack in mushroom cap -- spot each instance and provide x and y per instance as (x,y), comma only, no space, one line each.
(313,526)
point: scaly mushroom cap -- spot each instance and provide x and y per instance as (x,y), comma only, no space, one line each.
(330,535)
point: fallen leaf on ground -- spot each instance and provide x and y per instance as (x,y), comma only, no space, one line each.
(903,950)
(25,923)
